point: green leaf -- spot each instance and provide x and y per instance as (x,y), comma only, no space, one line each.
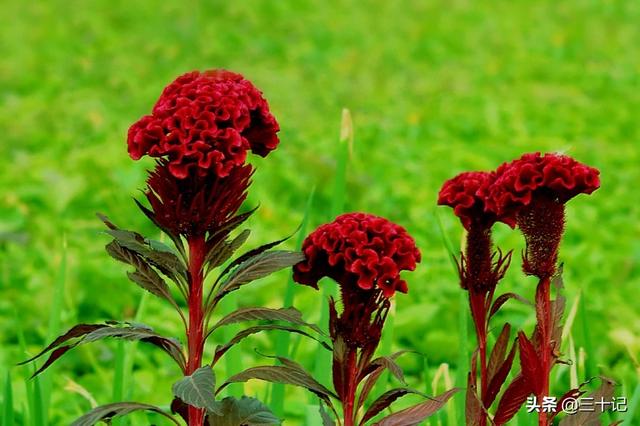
(290,315)
(197,389)
(257,267)
(109,411)
(7,411)
(412,416)
(244,411)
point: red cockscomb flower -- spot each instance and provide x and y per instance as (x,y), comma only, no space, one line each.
(359,250)
(465,193)
(205,122)
(533,190)
(556,176)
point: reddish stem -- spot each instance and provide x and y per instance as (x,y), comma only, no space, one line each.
(351,385)
(479,314)
(195,332)
(543,299)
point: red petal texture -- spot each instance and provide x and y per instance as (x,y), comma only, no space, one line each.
(205,122)
(359,250)
(558,176)
(465,193)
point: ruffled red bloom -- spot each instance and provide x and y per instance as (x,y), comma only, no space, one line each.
(532,191)
(559,177)
(205,122)
(465,193)
(361,251)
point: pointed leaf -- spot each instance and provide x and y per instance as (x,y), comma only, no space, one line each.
(512,399)
(244,411)
(497,380)
(109,411)
(387,363)
(197,389)
(570,394)
(496,358)
(502,299)
(289,374)
(223,231)
(257,267)
(290,315)
(384,401)
(372,377)
(529,363)
(86,333)
(253,253)
(412,416)
(587,417)
(326,418)
(75,331)
(144,275)
(473,407)
(222,349)
(223,250)
(148,251)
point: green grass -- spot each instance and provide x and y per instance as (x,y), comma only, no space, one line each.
(435,88)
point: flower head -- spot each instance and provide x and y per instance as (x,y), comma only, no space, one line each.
(205,122)
(465,194)
(359,251)
(555,176)
(532,191)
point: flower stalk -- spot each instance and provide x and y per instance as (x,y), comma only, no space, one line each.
(195,332)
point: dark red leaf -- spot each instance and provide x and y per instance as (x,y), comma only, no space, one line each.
(252,253)
(502,299)
(498,379)
(529,363)
(384,401)
(496,358)
(371,378)
(512,399)
(473,408)
(588,417)
(109,411)
(222,349)
(75,331)
(412,416)
(291,374)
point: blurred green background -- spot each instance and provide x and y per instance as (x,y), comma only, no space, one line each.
(435,88)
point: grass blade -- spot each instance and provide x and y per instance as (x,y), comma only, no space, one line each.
(634,403)
(283,339)
(57,303)
(463,336)
(323,359)
(7,408)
